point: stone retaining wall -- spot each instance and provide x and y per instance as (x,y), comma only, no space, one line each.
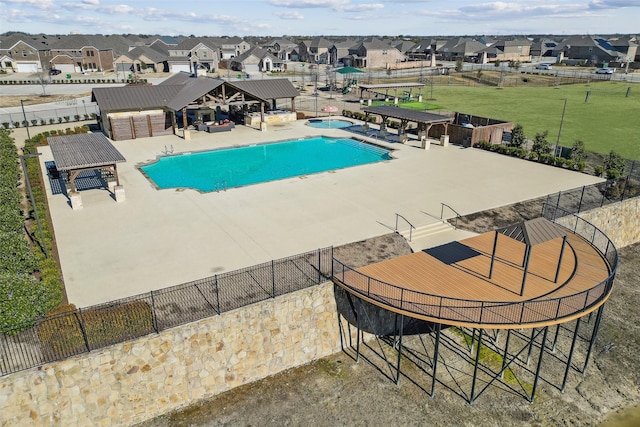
(140,379)
(619,221)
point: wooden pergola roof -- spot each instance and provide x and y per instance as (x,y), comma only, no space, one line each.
(409,115)
(83,151)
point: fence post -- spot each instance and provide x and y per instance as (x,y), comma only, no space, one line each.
(624,190)
(273,279)
(581,197)
(78,315)
(319,275)
(215,281)
(154,319)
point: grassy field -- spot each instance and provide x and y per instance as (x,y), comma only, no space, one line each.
(608,121)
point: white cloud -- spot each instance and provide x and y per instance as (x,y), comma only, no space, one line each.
(363,7)
(93,2)
(38,4)
(294,15)
(303,4)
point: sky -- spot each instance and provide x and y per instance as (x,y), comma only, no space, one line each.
(277,18)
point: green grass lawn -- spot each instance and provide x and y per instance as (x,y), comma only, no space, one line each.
(609,121)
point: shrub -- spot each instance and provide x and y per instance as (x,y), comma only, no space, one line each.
(6,125)
(34,122)
(581,166)
(598,171)
(540,143)
(66,119)
(577,153)
(52,121)
(16,125)
(613,165)
(77,117)
(59,119)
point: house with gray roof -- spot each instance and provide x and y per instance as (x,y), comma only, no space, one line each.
(256,60)
(589,50)
(20,54)
(193,54)
(373,53)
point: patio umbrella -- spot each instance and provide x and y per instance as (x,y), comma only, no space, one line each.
(330,109)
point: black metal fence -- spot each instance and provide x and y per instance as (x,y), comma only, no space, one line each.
(61,336)
(597,195)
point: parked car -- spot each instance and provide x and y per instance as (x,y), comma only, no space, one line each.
(543,67)
(54,72)
(605,71)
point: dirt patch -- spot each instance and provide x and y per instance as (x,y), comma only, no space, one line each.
(373,250)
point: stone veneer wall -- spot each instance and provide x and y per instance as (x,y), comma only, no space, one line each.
(619,221)
(137,380)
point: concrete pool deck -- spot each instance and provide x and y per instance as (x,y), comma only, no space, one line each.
(160,238)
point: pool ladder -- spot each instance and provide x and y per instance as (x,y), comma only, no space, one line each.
(221,186)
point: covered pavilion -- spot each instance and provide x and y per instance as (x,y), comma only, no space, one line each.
(424,120)
(77,153)
(386,87)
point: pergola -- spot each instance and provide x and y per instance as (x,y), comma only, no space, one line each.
(86,151)
(531,233)
(424,120)
(378,88)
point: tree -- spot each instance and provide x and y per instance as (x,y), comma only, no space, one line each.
(497,63)
(540,143)
(517,136)
(577,153)
(613,165)
(43,80)
(459,65)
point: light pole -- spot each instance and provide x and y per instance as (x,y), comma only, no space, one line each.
(315,95)
(555,151)
(26,123)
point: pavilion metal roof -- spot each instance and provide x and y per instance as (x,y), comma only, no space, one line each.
(534,232)
(406,114)
(134,97)
(83,150)
(266,90)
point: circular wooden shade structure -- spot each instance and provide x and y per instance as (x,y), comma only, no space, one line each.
(534,274)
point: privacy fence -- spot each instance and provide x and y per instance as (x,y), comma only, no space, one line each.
(75,332)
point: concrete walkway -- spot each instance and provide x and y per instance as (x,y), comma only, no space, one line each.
(160,238)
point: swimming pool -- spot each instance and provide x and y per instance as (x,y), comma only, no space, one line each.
(236,167)
(329,123)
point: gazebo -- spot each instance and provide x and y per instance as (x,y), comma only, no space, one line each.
(424,120)
(77,153)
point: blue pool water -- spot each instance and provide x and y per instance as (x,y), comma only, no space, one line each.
(329,123)
(237,167)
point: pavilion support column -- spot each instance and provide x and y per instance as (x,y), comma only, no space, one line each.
(493,254)
(527,256)
(399,343)
(564,241)
(435,359)
(383,125)
(594,335)
(293,105)
(263,124)
(475,368)
(535,381)
(570,358)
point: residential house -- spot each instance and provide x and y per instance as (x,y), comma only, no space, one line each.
(229,47)
(256,60)
(84,53)
(315,50)
(373,53)
(19,54)
(339,50)
(588,50)
(543,48)
(193,54)
(282,48)
(464,48)
(513,49)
